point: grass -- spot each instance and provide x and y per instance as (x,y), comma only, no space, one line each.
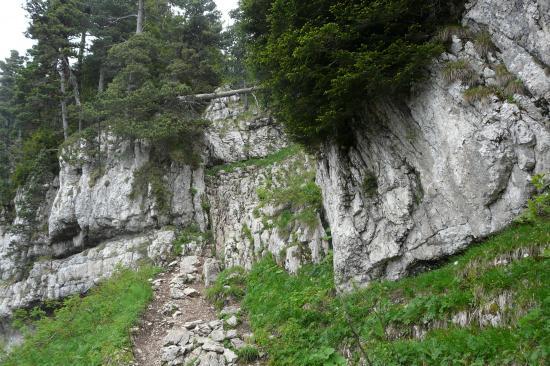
(229,286)
(299,320)
(248,353)
(299,199)
(459,70)
(256,162)
(483,43)
(445,34)
(186,236)
(503,76)
(90,330)
(478,93)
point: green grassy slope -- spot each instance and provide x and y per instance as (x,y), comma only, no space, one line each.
(91,330)
(300,320)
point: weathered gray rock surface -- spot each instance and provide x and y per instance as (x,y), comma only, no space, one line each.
(521,31)
(437,172)
(238,134)
(57,278)
(434,173)
(99,200)
(244,230)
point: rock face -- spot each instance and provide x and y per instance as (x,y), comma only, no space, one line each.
(92,218)
(243,228)
(436,172)
(424,178)
(98,201)
(58,278)
(97,214)
(238,134)
(521,31)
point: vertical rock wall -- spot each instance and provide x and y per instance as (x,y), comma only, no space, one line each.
(428,176)
(253,151)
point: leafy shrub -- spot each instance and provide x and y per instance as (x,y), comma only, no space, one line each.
(320,60)
(229,286)
(90,330)
(459,70)
(538,206)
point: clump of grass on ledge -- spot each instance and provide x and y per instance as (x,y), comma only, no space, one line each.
(248,353)
(459,70)
(483,43)
(257,162)
(90,330)
(479,93)
(503,76)
(229,286)
(509,84)
(300,198)
(445,34)
(299,320)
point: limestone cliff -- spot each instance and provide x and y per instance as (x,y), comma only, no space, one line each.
(434,173)
(104,210)
(424,178)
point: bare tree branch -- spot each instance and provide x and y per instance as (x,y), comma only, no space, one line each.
(223,94)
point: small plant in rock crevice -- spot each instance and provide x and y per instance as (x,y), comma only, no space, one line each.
(186,236)
(445,34)
(483,43)
(479,93)
(370,184)
(151,176)
(460,70)
(298,200)
(539,206)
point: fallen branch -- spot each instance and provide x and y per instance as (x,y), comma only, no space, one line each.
(217,95)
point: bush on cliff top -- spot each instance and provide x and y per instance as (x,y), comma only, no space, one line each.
(322,60)
(91,330)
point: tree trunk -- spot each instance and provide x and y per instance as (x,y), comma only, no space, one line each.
(76,91)
(245,97)
(63,88)
(81,49)
(140,16)
(101,84)
(211,96)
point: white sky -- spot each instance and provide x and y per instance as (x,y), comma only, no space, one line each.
(13,24)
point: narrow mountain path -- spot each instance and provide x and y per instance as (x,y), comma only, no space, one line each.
(180,327)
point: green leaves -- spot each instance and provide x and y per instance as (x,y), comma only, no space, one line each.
(300,321)
(90,330)
(321,61)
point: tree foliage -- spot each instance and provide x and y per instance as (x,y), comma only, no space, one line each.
(322,60)
(91,68)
